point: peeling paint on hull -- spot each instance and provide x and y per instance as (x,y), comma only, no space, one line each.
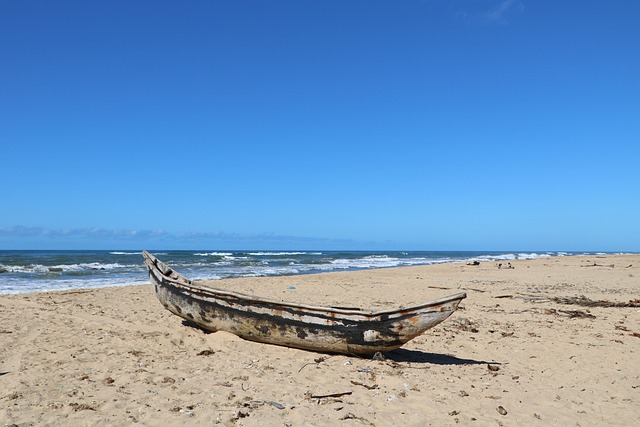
(322,329)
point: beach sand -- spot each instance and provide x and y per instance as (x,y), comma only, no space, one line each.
(508,356)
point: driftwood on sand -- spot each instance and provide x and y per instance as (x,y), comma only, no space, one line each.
(581,301)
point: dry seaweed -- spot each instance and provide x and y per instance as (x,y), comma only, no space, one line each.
(581,301)
(587,302)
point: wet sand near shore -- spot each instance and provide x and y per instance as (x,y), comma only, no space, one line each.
(524,348)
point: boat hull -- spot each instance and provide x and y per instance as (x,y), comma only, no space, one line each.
(322,329)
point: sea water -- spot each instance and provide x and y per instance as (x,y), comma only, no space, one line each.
(38,271)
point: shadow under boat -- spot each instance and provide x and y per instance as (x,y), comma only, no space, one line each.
(417,356)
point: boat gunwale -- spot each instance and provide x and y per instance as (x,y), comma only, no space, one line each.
(181,281)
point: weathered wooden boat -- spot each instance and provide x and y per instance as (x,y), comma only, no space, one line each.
(322,329)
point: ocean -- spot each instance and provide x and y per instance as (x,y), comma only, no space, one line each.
(40,271)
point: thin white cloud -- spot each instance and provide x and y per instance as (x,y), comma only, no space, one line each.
(139,238)
(94,232)
(502,11)
(486,12)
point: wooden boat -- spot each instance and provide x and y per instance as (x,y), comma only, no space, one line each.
(322,329)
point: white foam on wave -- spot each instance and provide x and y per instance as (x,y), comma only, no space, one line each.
(366,262)
(209,276)
(234,258)
(213,254)
(125,253)
(39,268)
(24,268)
(283,253)
(65,285)
(512,256)
(275,271)
(18,287)
(93,266)
(533,256)
(385,261)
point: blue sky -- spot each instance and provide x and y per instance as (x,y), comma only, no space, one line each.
(307,124)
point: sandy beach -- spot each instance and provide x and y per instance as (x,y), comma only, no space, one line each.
(520,350)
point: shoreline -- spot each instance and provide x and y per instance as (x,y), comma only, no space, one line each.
(60,270)
(115,356)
